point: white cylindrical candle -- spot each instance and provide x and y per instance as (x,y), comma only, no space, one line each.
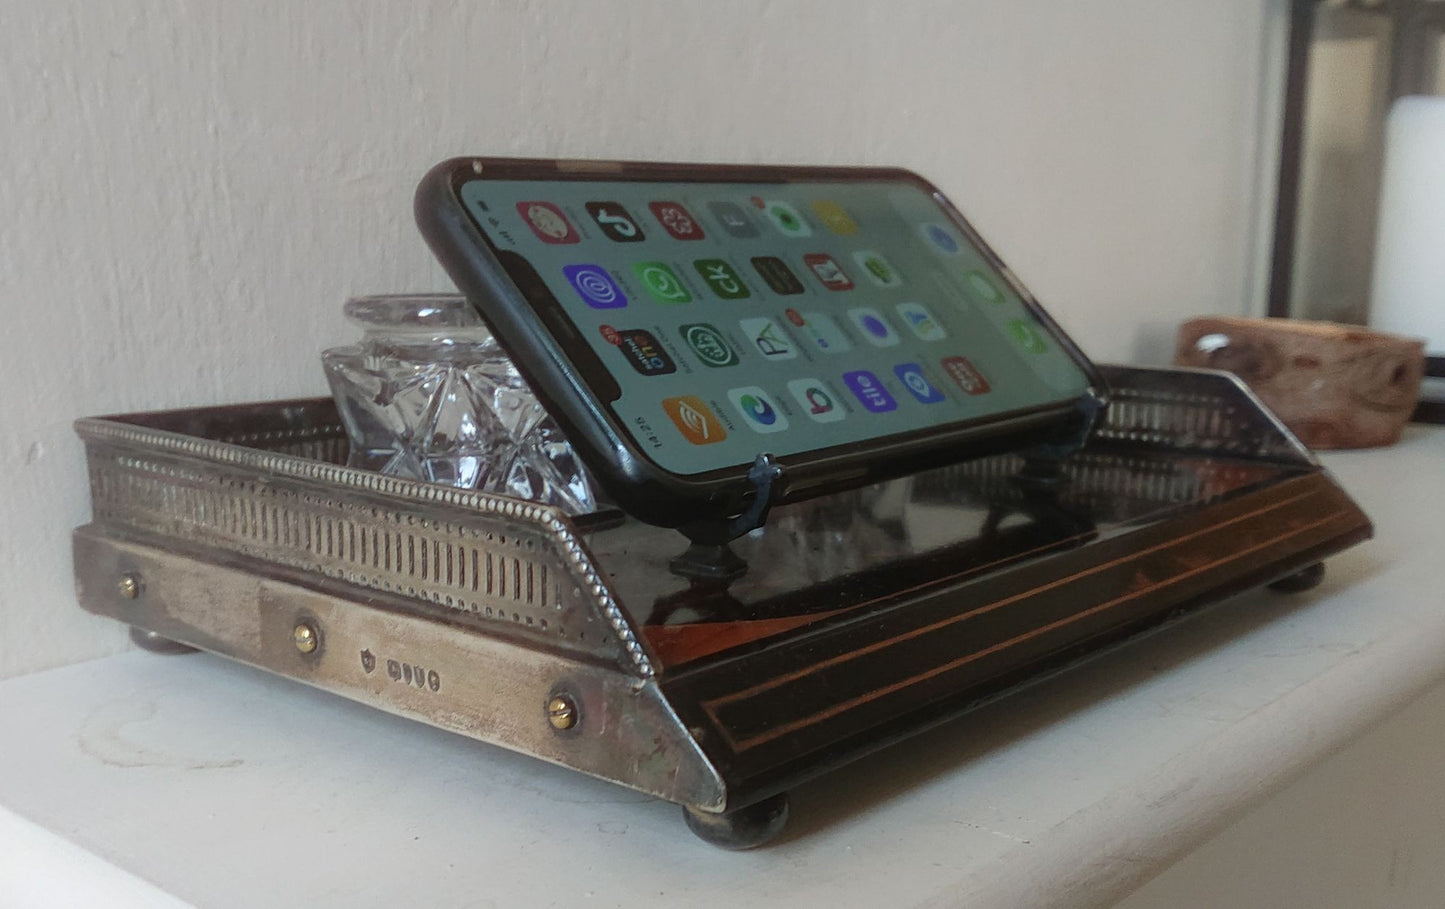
(1408,291)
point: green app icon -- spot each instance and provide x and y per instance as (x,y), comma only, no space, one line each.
(720,276)
(878,268)
(1027,336)
(662,282)
(709,345)
(983,287)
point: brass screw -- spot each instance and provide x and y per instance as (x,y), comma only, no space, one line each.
(305,636)
(561,712)
(129,586)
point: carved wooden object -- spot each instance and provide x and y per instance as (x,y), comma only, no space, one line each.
(1335,386)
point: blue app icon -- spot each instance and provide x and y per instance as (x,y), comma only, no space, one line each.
(761,411)
(869,391)
(763,415)
(913,379)
(595,286)
(941,238)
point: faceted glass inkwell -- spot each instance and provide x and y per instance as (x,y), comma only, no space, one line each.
(428,394)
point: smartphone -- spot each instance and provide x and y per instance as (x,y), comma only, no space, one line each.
(678,320)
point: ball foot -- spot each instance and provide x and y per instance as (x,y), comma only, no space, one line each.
(1301,580)
(155,643)
(744,828)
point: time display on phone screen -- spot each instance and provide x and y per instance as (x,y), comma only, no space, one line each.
(781,317)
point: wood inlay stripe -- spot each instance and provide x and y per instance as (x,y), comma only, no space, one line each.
(883,691)
(998,604)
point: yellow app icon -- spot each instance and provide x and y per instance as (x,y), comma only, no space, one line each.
(833,215)
(697,423)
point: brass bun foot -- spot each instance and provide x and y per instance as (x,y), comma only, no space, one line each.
(149,640)
(744,828)
(1301,580)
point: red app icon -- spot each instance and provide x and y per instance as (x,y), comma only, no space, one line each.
(965,374)
(548,222)
(828,271)
(676,220)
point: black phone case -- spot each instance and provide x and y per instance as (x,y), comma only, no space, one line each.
(565,384)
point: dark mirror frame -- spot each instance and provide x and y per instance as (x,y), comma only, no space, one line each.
(1415,51)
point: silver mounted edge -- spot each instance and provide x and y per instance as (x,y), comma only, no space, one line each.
(467,681)
(1199,409)
(115,447)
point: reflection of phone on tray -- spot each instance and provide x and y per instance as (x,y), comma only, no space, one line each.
(677,320)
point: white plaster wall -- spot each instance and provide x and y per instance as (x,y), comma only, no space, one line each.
(190,189)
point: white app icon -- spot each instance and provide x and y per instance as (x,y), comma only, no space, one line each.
(917,317)
(824,332)
(873,327)
(759,411)
(769,338)
(817,400)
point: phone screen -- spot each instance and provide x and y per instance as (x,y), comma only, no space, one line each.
(782,317)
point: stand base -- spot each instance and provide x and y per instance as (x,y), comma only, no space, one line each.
(1428,411)
(709,562)
(867,616)
(1431,407)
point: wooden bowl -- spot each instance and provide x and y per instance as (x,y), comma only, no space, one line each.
(1334,386)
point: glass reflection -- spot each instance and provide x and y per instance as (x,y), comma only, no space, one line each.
(836,556)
